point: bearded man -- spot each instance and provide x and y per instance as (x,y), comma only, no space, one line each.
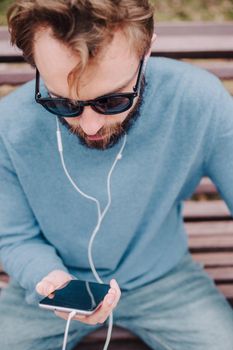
(95,164)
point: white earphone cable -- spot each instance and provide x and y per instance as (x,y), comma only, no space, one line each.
(71,315)
(101,216)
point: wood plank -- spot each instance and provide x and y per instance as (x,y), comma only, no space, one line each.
(121,338)
(211,242)
(137,344)
(214,259)
(181,40)
(129,345)
(215,209)
(227,290)
(221,273)
(174,47)
(204,45)
(209,228)
(16,77)
(9,53)
(117,334)
(223,70)
(22,75)
(195,40)
(197,28)
(4,34)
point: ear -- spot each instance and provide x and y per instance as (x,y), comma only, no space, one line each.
(147,55)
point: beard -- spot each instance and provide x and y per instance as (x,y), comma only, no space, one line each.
(112,133)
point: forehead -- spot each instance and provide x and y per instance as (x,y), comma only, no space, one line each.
(115,66)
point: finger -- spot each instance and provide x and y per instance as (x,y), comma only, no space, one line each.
(51,296)
(100,315)
(65,315)
(39,288)
(114,286)
(58,277)
(45,287)
(51,282)
(109,303)
(57,281)
(81,318)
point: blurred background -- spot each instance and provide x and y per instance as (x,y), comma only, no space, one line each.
(181,24)
(175,10)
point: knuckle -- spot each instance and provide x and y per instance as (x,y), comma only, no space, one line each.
(45,281)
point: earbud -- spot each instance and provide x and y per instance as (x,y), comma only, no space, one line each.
(59,141)
(119,156)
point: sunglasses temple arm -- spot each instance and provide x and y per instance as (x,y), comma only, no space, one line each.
(140,74)
(37,84)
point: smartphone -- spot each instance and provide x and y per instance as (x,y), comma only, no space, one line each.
(81,296)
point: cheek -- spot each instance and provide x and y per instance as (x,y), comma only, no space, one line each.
(72,121)
(117,118)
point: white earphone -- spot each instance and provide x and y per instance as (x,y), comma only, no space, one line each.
(101,216)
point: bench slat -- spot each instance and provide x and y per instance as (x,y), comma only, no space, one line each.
(191,28)
(223,70)
(211,242)
(185,46)
(174,41)
(227,290)
(20,76)
(16,77)
(209,228)
(221,274)
(215,209)
(214,259)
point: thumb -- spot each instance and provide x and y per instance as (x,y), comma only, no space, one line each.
(52,281)
(45,287)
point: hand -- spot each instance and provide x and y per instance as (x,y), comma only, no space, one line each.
(52,281)
(104,310)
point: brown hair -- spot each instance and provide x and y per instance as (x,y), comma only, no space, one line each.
(84,26)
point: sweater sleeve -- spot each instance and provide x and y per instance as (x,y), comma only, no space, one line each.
(219,162)
(24,253)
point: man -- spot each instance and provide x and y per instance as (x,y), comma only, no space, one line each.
(134,137)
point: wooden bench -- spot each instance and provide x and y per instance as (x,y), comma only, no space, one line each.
(208,222)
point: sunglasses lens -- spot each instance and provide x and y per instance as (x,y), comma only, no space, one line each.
(113,104)
(63,108)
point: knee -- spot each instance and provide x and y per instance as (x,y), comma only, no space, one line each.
(218,333)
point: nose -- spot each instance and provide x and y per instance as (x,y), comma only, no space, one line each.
(90,121)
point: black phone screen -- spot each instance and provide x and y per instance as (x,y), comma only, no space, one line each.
(77,294)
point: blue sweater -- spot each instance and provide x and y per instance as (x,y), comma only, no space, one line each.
(185,131)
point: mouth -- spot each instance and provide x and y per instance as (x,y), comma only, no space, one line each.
(95,137)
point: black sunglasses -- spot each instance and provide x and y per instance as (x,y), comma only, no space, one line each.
(108,104)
